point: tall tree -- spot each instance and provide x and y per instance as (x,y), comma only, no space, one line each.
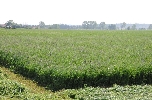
(10,24)
(102,25)
(89,24)
(92,24)
(123,25)
(41,24)
(128,28)
(85,24)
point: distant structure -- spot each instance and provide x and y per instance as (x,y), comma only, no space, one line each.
(2,25)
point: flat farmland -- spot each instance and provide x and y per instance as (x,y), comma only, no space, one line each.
(76,58)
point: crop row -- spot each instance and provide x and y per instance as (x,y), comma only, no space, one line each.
(74,58)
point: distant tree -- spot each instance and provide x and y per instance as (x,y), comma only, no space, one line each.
(128,28)
(102,25)
(133,27)
(112,27)
(10,24)
(123,25)
(92,24)
(55,26)
(27,26)
(64,26)
(141,29)
(89,24)
(85,24)
(41,24)
(150,27)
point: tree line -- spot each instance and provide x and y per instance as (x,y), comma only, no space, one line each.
(85,25)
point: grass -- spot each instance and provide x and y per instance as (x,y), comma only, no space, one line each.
(25,81)
(10,88)
(72,58)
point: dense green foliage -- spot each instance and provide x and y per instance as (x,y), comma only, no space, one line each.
(74,58)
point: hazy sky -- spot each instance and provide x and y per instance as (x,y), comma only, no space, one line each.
(76,11)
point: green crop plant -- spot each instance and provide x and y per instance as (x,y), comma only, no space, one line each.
(74,58)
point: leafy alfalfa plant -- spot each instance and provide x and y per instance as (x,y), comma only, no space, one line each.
(3,75)
(11,88)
